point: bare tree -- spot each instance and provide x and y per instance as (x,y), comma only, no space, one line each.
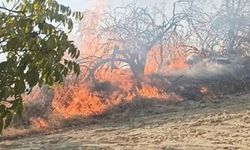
(221,31)
(129,33)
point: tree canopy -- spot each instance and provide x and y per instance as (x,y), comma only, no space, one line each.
(34,42)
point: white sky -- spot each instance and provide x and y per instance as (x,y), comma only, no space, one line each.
(83,4)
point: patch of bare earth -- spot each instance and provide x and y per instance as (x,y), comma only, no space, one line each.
(187,125)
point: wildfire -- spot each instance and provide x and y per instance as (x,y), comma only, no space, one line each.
(156,63)
(39,122)
(179,59)
(111,86)
(89,100)
(114,72)
(81,102)
(90,41)
(149,91)
(203,90)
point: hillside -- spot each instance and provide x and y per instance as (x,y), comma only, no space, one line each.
(222,124)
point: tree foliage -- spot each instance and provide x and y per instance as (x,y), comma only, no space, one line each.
(34,43)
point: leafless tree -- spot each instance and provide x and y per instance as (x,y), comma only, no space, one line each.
(221,31)
(130,33)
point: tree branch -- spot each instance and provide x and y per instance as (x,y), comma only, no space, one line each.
(11,10)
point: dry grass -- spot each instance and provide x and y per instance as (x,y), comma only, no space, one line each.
(186,125)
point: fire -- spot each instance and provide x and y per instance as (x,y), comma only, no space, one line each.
(113,89)
(81,102)
(203,90)
(111,86)
(152,92)
(90,42)
(179,60)
(156,63)
(39,122)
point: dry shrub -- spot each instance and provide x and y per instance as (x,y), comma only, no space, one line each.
(137,107)
(36,105)
(39,122)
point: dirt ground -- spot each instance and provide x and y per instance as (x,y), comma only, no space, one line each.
(224,124)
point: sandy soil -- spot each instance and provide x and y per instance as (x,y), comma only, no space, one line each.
(190,125)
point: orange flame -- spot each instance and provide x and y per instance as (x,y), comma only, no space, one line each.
(90,42)
(39,123)
(112,87)
(156,63)
(179,59)
(82,102)
(203,90)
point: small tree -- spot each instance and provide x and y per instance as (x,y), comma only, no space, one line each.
(129,33)
(33,39)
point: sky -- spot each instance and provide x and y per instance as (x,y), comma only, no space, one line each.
(84,4)
(81,5)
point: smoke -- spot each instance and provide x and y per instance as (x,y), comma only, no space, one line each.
(210,67)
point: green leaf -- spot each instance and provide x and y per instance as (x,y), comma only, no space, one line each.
(8,120)
(76,68)
(4,93)
(1,125)
(19,86)
(70,24)
(34,44)
(32,77)
(3,65)
(58,77)
(70,65)
(2,109)
(19,108)
(51,42)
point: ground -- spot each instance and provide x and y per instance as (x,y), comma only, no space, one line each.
(224,124)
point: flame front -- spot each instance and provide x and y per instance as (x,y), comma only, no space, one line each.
(112,85)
